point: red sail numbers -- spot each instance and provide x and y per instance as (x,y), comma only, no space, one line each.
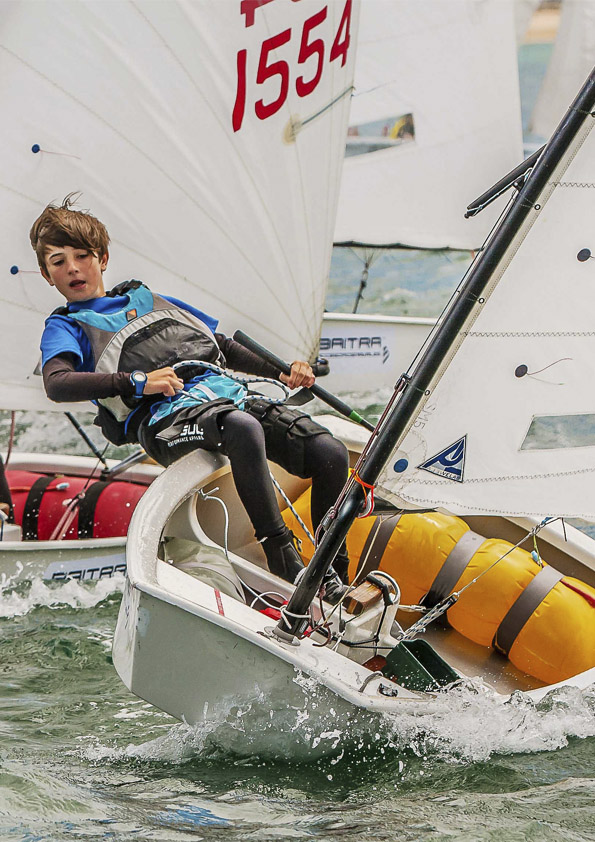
(273,68)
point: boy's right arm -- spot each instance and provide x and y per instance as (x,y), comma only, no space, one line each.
(63,384)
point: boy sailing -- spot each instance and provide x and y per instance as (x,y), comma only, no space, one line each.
(118,349)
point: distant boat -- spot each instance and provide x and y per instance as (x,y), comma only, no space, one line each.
(146,122)
(71,519)
(435,120)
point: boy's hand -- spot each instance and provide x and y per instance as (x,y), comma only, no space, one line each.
(163,381)
(301,375)
(5,509)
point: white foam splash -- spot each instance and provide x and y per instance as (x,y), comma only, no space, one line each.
(69,593)
(469,724)
(262,727)
(474,723)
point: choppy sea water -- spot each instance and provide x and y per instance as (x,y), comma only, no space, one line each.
(81,758)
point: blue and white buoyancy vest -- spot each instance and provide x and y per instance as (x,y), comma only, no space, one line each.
(148,333)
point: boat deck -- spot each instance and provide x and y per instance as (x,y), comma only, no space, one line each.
(472,660)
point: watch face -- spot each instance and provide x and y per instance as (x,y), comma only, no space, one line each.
(139,376)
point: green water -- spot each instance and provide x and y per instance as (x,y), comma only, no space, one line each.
(81,758)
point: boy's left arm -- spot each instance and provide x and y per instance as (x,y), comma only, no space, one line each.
(241,359)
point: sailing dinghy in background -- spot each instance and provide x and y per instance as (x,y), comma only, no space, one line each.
(71,516)
(123,102)
(512,353)
(435,120)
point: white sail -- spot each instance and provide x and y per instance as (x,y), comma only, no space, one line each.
(208,136)
(437,100)
(572,59)
(508,424)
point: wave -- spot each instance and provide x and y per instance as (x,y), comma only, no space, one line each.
(20,600)
(469,723)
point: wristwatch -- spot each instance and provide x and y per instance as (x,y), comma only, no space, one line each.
(138,380)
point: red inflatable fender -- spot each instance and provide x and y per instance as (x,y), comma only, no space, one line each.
(40,502)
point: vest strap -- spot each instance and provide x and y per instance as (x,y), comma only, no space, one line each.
(524,606)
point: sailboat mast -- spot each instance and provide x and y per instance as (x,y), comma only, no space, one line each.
(468,301)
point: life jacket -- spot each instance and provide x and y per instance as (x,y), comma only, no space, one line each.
(148,333)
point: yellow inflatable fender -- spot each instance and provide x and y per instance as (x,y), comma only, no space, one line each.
(414,554)
(556,642)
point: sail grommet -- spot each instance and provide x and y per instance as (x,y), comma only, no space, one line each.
(521,370)
(400,465)
(36,148)
(537,207)
(14,270)
(584,254)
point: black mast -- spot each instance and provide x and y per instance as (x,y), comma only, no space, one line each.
(468,300)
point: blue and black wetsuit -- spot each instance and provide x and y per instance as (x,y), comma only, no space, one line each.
(74,345)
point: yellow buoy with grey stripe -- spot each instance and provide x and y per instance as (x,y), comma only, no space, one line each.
(553,640)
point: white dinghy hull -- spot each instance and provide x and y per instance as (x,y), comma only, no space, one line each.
(368,353)
(199,654)
(192,650)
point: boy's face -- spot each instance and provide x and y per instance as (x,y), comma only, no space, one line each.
(75,272)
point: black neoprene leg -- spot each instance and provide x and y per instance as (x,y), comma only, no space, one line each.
(243,443)
(325,460)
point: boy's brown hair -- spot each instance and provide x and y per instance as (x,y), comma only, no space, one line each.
(59,225)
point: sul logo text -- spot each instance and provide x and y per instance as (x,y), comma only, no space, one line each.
(192,430)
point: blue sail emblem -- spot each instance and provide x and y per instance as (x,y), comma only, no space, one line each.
(449,463)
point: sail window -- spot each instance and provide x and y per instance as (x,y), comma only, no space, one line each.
(380,134)
(553,432)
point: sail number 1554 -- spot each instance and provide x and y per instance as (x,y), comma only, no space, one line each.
(312,50)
